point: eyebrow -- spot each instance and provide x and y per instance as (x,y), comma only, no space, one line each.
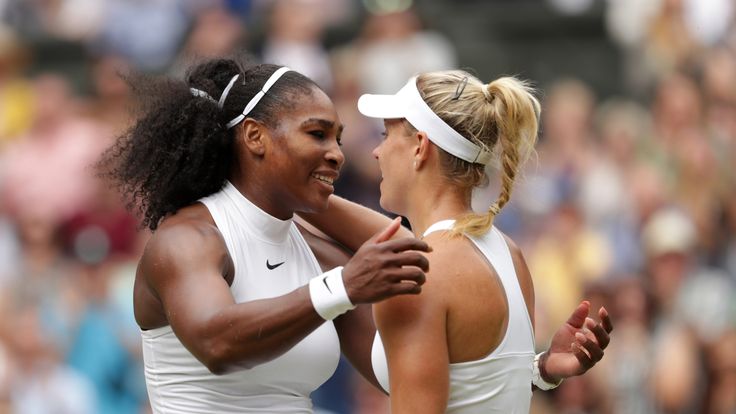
(324,123)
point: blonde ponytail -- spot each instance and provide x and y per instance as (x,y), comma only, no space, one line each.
(502,116)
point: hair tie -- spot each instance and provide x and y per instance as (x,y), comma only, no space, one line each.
(201,94)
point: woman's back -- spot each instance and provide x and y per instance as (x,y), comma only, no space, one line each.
(489,333)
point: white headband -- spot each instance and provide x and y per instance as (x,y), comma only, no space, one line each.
(257,98)
(202,94)
(408,103)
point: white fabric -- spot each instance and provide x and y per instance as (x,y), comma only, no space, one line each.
(408,104)
(500,382)
(328,294)
(179,383)
(226,91)
(257,98)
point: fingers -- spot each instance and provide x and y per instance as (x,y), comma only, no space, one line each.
(605,319)
(409,275)
(407,288)
(593,350)
(388,232)
(406,243)
(410,258)
(599,332)
(585,362)
(579,314)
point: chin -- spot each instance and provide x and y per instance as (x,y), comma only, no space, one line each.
(317,206)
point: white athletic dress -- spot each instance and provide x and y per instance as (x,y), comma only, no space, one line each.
(271,259)
(502,381)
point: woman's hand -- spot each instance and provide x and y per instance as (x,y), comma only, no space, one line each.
(382,267)
(577,345)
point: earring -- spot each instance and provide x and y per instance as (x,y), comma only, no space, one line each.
(415,164)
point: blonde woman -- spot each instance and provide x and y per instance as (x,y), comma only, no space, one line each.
(466,343)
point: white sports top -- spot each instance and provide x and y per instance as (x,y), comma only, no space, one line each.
(502,381)
(271,259)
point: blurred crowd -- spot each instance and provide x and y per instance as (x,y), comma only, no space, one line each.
(630,200)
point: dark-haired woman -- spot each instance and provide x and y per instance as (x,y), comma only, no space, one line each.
(235,312)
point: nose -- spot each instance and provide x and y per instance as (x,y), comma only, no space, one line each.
(335,156)
(376,151)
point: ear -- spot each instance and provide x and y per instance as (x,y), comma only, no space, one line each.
(255,136)
(423,147)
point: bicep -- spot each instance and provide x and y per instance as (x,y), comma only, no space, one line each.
(413,331)
(187,274)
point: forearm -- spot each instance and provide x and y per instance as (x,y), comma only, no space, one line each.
(350,224)
(247,334)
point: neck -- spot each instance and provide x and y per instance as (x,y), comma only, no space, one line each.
(261,195)
(434,203)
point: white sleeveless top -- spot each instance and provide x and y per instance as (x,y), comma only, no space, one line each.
(502,381)
(271,259)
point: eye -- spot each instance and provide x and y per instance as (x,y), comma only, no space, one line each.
(317,133)
(384,134)
(339,141)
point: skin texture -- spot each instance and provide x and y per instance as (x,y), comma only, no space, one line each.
(184,274)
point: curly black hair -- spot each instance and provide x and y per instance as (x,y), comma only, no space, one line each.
(179,150)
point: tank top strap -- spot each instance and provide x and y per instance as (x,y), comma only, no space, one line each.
(441,225)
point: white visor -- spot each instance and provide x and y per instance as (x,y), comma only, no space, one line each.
(408,103)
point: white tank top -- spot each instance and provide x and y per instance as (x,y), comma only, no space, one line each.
(502,381)
(271,259)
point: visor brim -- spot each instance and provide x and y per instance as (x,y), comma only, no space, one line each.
(381,106)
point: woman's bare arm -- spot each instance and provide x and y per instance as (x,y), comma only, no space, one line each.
(184,266)
(355,328)
(349,223)
(414,335)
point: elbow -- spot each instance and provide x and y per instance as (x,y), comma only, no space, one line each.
(216,358)
(220,359)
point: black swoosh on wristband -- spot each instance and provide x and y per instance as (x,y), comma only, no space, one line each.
(324,280)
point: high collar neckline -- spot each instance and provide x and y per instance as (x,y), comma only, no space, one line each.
(266,226)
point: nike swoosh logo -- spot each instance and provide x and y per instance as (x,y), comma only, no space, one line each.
(324,280)
(273,266)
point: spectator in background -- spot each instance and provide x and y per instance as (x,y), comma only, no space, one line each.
(566,257)
(126,31)
(629,359)
(294,39)
(215,32)
(106,348)
(668,238)
(45,171)
(605,191)
(393,47)
(566,149)
(41,382)
(109,105)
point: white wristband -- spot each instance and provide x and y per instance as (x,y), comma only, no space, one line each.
(329,297)
(537,379)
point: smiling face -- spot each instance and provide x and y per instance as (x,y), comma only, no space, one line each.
(305,158)
(395,159)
